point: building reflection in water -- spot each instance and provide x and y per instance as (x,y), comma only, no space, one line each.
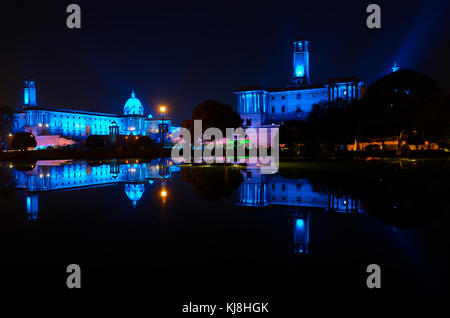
(295,195)
(62,175)
(301,232)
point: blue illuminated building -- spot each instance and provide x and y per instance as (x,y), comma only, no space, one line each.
(259,190)
(63,175)
(259,107)
(296,196)
(46,121)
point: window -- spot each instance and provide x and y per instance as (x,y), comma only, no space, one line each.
(283,108)
(273,109)
(299,96)
(283,187)
(298,109)
(273,186)
(249,122)
(273,97)
(283,97)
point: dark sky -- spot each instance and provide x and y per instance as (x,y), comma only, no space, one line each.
(184,53)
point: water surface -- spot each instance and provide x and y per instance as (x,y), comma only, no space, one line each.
(153,224)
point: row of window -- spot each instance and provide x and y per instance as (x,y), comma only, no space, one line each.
(283,186)
(298,96)
(283,109)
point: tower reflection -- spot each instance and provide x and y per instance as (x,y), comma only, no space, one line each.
(297,196)
(65,175)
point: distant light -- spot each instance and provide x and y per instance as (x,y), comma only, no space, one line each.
(162,109)
(300,70)
(163,193)
(46,125)
(300,223)
(40,125)
(395,68)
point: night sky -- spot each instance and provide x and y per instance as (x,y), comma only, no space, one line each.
(184,53)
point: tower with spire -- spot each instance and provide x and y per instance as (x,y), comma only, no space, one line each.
(301,62)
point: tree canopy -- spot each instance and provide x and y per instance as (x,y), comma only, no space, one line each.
(402,101)
(23,141)
(213,114)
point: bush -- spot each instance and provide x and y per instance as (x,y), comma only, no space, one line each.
(144,143)
(23,140)
(94,141)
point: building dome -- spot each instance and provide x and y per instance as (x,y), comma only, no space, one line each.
(133,106)
(134,191)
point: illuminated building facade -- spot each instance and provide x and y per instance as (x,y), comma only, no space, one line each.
(259,107)
(259,190)
(296,196)
(64,175)
(45,121)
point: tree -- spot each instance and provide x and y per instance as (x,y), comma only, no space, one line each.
(23,141)
(213,114)
(94,141)
(212,183)
(6,118)
(403,101)
(144,143)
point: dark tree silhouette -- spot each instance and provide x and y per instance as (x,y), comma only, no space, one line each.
(6,118)
(23,140)
(212,183)
(144,143)
(213,114)
(94,141)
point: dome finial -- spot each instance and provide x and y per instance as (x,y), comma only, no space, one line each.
(133,95)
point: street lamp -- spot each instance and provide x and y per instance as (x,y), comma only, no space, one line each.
(162,110)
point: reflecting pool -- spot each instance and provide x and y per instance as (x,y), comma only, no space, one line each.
(155,224)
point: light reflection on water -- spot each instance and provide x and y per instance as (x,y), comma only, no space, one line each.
(317,212)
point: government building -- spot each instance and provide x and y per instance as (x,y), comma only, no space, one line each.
(48,124)
(260,107)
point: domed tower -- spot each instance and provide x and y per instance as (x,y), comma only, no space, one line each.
(133,106)
(134,191)
(134,121)
(301,62)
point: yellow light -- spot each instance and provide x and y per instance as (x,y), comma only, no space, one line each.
(10,135)
(163,193)
(162,109)
(46,125)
